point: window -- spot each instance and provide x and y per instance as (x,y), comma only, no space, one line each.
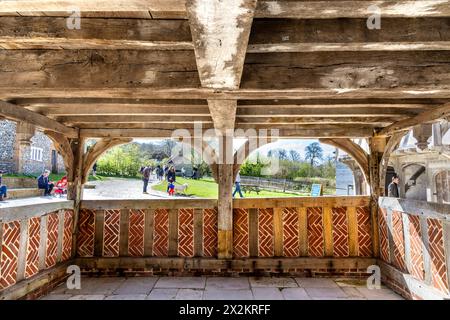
(36,154)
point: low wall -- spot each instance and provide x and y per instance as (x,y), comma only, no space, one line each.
(415,247)
(34,241)
(272,235)
(14,183)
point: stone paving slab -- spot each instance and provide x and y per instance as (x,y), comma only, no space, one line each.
(270,282)
(181,282)
(127,297)
(216,283)
(316,283)
(220,288)
(295,294)
(162,294)
(267,294)
(229,294)
(139,285)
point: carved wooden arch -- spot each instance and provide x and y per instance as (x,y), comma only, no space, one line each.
(62,145)
(101,146)
(352,149)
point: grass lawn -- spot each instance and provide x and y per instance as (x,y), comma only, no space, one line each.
(207,188)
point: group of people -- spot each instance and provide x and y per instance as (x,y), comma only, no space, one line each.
(43,183)
(168,172)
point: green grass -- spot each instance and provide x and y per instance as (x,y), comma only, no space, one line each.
(207,188)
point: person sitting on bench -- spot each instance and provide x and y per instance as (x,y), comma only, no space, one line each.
(3,188)
(44,183)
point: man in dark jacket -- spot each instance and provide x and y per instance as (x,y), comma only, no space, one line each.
(44,183)
(393,187)
(3,188)
(146,177)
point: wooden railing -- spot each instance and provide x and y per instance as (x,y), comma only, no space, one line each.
(415,246)
(34,238)
(278,227)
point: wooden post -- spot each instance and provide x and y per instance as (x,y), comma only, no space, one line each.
(253,232)
(22,257)
(98,235)
(148,232)
(303,231)
(352,231)
(75,190)
(198,232)
(124,232)
(278,231)
(225,201)
(173,232)
(328,231)
(61,214)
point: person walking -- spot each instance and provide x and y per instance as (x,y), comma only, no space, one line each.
(44,183)
(183,172)
(146,177)
(94,169)
(237,185)
(393,187)
(171,177)
(3,188)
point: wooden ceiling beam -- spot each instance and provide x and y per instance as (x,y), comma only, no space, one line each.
(11,93)
(175,9)
(425,117)
(17,113)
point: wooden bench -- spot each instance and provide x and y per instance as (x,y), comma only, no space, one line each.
(248,188)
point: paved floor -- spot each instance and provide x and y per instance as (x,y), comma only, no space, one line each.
(218,288)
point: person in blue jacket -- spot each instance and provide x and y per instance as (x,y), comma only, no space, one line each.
(44,183)
(3,188)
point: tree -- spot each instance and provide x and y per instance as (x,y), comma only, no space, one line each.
(314,152)
(282,154)
(294,155)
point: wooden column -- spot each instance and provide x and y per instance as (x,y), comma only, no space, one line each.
(75,189)
(377,147)
(225,202)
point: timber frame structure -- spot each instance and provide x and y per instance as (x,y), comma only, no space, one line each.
(310,69)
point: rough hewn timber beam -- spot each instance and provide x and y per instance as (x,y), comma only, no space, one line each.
(333,47)
(62,145)
(17,113)
(240,94)
(427,116)
(171,9)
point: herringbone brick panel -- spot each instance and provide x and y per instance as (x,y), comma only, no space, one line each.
(186,232)
(315,232)
(383,231)
(67,235)
(136,233)
(9,256)
(209,232)
(265,233)
(86,230)
(290,233)
(364,232)
(340,232)
(52,240)
(437,255)
(240,233)
(399,240)
(111,232)
(161,233)
(416,268)
(34,236)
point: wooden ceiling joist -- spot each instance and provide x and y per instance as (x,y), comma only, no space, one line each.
(175,9)
(18,113)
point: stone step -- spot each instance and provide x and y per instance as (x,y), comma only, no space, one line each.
(20,193)
(17,183)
